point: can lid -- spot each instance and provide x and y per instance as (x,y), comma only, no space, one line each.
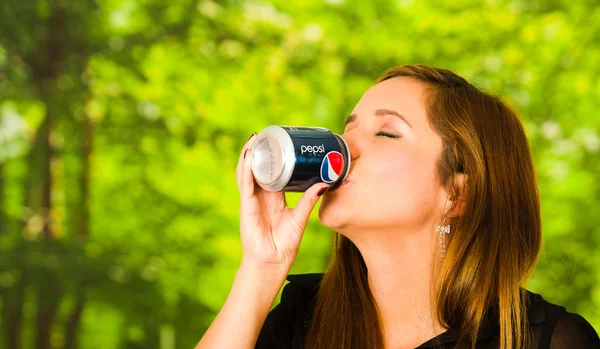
(267,165)
(274,158)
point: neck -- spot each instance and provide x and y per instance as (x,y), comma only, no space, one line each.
(399,272)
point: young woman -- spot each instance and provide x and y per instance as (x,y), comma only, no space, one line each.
(437,230)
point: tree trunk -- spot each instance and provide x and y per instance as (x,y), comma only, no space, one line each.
(82,228)
(74,321)
(49,288)
(47,301)
(3,221)
(13,314)
(46,69)
(46,177)
(15,297)
(87,140)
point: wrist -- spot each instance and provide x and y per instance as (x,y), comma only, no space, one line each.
(253,265)
(266,272)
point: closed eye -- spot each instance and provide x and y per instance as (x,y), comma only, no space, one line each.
(386,134)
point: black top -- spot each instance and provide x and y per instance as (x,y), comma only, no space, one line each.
(553,327)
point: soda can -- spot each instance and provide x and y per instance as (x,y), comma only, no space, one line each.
(293,158)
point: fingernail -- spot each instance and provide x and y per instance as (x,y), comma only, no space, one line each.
(245,151)
(322,191)
(251,135)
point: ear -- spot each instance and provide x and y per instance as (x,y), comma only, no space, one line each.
(460,183)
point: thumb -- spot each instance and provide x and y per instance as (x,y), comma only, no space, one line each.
(307,203)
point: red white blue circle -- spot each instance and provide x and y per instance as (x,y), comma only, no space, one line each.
(332,167)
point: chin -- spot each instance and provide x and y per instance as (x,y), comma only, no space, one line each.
(334,214)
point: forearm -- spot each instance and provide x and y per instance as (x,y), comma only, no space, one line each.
(240,320)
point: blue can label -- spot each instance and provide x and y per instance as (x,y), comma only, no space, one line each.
(319,157)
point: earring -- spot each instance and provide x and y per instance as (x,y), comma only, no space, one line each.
(442,231)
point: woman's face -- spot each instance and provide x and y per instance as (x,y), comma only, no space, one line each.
(392,183)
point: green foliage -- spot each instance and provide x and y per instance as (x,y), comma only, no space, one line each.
(150,102)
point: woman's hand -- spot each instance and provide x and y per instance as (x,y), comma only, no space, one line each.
(270,231)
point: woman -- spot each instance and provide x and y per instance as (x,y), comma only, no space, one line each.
(437,230)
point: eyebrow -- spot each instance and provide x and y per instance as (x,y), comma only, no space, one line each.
(380,112)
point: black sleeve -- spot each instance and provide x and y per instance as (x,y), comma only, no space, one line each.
(572,331)
(278,328)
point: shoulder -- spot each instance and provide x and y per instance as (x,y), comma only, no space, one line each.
(286,324)
(299,294)
(560,328)
(305,282)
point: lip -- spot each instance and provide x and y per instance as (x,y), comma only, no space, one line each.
(344,182)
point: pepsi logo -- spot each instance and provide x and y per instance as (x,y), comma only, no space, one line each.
(312,149)
(332,167)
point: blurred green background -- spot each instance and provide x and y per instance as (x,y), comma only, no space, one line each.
(121,123)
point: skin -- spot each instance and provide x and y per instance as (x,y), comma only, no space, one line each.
(391,204)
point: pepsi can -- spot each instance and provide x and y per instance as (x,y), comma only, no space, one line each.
(293,158)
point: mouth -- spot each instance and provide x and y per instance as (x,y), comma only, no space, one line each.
(344,183)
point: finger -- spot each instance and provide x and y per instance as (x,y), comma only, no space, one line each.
(307,203)
(276,200)
(238,169)
(247,177)
(248,145)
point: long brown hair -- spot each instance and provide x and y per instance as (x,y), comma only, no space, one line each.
(494,245)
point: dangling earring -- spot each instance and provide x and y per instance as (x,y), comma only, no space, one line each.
(442,231)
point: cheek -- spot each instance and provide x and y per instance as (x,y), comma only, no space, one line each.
(395,171)
(405,184)
(387,192)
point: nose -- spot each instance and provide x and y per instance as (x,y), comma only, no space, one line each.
(354,143)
